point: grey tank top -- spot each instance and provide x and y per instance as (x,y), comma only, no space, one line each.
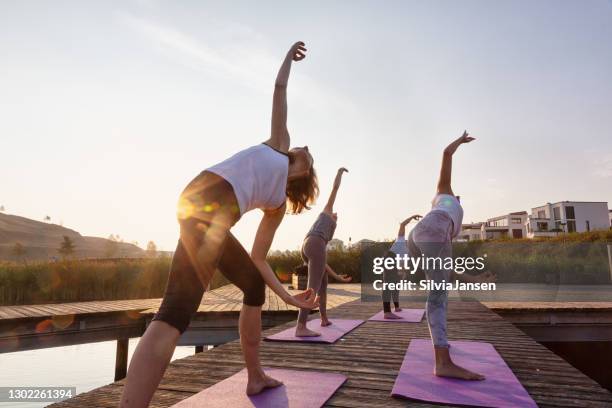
(323,227)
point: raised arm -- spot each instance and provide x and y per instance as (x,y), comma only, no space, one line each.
(329,207)
(263,240)
(444,182)
(279,136)
(402,228)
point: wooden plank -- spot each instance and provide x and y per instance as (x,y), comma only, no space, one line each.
(9,313)
(60,309)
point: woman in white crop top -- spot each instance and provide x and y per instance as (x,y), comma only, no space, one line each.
(269,176)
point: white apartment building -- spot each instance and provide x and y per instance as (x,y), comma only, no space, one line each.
(567,216)
(511,225)
(469,232)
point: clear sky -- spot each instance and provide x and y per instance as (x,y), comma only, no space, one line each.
(107,109)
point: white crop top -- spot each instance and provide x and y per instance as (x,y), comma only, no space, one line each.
(258,176)
(450,205)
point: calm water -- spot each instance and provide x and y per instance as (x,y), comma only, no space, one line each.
(85,367)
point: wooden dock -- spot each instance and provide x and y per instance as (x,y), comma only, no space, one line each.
(33,327)
(52,325)
(370,356)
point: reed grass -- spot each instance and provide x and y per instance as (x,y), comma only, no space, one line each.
(579,258)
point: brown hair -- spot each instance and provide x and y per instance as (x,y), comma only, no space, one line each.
(302,192)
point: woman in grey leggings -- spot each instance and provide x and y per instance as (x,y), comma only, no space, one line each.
(314,254)
(432,238)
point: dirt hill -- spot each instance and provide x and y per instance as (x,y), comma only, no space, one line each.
(41,241)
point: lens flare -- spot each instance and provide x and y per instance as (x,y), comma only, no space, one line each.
(62,322)
(283,276)
(133,314)
(44,326)
(185,209)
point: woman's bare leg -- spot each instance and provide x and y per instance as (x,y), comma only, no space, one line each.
(157,345)
(148,364)
(250,339)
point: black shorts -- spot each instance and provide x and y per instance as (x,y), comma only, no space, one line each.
(211,207)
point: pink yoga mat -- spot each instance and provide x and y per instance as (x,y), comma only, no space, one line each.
(300,389)
(329,334)
(407,316)
(500,388)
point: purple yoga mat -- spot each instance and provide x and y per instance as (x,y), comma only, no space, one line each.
(500,388)
(407,316)
(329,334)
(300,389)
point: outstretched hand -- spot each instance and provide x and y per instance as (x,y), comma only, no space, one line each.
(412,217)
(298,51)
(304,300)
(338,178)
(464,138)
(344,278)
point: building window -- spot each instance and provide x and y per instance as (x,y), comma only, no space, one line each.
(515,220)
(557,213)
(541,214)
(542,226)
(571,226)
(499,223)
(517,233)
(569,212)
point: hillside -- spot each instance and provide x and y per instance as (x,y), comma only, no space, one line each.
(41,241)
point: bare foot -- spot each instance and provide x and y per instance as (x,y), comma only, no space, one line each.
(389,315)
(454,371)
(398,309)
(325,322)
(257,385)
(305,332)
